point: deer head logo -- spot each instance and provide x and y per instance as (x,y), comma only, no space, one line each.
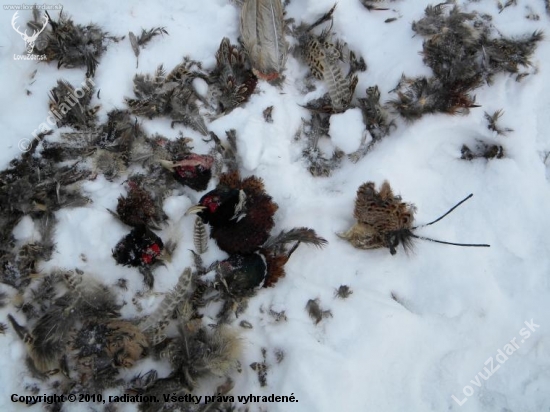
(29,39)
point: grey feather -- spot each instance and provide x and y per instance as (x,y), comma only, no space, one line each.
(157,321)
(338,85)
(135,46)
(262,31)
(297,234)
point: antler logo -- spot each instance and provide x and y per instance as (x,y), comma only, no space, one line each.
(29,39)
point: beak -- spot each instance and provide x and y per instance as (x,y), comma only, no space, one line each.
(164,257)
(195,209)
(167,164)
(39,207)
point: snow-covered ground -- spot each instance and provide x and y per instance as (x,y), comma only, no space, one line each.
(457,306)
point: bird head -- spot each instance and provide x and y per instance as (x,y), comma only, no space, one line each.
(141,247)
(221,206)
(192,170)
(240,275)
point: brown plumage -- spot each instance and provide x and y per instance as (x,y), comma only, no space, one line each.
(379,215)
(138,207)
(125,343)
(323,55)
(200,236)
(384,220)
(239,211)
(101,346)
(169,95)
(48,339)
(233,77)
(72,108)
(241,275)
(153,325)
(323,58)
(277,252)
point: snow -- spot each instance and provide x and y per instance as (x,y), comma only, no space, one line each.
(346,130)
(200,86)
(453,307)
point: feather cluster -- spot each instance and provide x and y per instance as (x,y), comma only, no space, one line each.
(262,31)
(169,95)
(72,45)
(463,54)
(324,56)
(380,217)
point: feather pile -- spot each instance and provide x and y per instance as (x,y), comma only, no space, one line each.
(72,45)
(76,339)
(463,54)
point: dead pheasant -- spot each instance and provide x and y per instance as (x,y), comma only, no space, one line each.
(191,170)
(241,274)
(384,220)
(143,249)
(239,212)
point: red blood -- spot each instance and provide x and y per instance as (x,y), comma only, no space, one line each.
(150,253)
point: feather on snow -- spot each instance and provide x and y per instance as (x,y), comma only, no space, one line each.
(262,30)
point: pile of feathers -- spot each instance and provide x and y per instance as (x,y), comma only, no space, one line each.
(76,337)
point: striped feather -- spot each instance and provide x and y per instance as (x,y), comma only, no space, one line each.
(200,237)
(157,321)
(338,85)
